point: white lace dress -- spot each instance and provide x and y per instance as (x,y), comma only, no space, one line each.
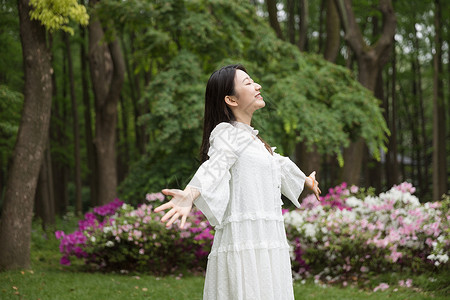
(240,194)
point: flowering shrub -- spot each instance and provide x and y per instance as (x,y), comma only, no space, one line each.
(350,232)
(354,232)
(117,236)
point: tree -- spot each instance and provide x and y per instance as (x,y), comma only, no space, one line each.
(370,59)
(15,226)
(107,74)
(30,145)
(439,123)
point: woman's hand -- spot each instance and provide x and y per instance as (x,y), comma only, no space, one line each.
(313,184)
(180,205)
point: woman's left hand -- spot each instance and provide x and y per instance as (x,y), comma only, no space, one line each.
(313,184)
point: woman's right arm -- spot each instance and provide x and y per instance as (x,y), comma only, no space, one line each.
(209,186)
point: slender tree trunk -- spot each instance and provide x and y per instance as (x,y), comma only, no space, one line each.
(124,158)
(44,199)
(322,12)
(59,168)
(90,147)
(419,146)
(303,25)
(333,32)
(290,6)
(76,130)
(107,73)
(15,226)
(439,123)
(138,129)
(392,163)
(273,17)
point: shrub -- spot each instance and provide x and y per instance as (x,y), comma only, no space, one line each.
(352,232)
(118,237)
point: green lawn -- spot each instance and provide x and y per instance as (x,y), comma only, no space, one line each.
(49,280)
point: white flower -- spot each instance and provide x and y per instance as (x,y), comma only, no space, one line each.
(310,230)
(107,229)
(353,202)
(93,239)
(109,244)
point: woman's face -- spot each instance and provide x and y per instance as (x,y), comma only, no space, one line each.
(248,96)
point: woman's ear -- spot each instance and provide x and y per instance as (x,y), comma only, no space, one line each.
(230,101)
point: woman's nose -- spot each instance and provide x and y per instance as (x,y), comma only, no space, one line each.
(257,86)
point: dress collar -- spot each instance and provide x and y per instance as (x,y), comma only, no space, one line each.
(246,127)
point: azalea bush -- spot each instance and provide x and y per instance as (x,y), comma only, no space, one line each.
(352,232)
(119,237)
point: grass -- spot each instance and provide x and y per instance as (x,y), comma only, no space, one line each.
(49,280)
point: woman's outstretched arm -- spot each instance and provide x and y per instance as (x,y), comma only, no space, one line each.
(180,205)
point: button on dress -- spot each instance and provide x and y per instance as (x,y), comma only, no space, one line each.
(240,194)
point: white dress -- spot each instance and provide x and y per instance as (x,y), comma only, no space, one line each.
(240,194)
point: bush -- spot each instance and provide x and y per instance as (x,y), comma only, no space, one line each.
(352,232)
(118,237)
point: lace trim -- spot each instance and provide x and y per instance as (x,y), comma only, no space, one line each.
(267,216)
(263,245)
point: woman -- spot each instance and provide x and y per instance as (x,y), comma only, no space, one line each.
(238,188)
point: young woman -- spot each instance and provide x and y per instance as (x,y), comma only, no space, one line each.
(238,188)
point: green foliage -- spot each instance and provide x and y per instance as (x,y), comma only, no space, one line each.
(56,14)
(10,108)
(308,99)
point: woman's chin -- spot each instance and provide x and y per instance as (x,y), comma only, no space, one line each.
(260,104)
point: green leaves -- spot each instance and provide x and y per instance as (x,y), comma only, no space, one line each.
(307,98)
(56,14)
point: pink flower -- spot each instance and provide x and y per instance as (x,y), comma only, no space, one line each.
(141,251)
(408,283)
(382,286)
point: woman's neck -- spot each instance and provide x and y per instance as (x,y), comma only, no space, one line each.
(243,117)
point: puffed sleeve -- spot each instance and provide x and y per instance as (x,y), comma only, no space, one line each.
(212,178)
(292,178)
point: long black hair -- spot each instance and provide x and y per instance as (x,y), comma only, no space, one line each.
(220,84)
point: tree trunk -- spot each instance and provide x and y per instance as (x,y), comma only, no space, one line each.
(107,73)
(391,161)
(76,131)
(90,147)
(303,25)
(138,129)
(123,159)
(419,146)
(290,6)
(59,167)
(370,60)
(439,139)
(321,17)
(44,199)
(425,140)
(15,226)
(333,32)
(273,17)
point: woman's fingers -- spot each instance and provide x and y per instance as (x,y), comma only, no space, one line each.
(183,221)
(169,214)
(163,207)
(173,219)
